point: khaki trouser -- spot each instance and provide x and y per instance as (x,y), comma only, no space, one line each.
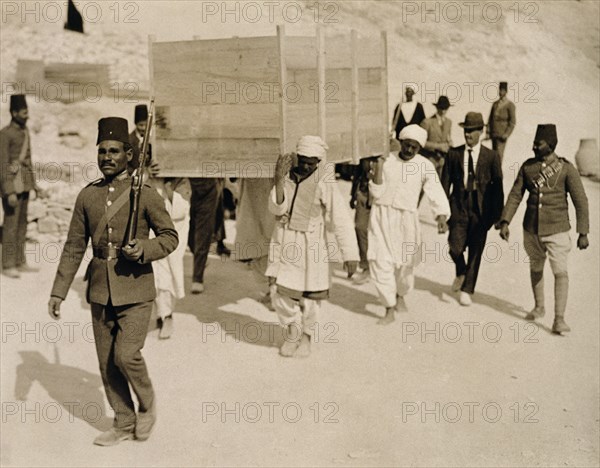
(556,247)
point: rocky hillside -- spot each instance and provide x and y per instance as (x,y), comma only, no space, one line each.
(547,51)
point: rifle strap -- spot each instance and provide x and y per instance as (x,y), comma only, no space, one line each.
(110,212)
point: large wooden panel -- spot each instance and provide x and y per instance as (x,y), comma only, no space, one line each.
(218,121)
(219,108)
(214,157)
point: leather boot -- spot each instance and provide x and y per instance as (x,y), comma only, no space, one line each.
(561,292)
(537,285)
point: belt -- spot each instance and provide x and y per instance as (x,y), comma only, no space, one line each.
(108,252)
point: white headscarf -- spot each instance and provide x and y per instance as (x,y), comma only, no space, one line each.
(414,132)
(312,146)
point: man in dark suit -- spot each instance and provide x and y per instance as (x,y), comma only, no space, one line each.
(408,112)
(502,121)
(472,179)
(120,287)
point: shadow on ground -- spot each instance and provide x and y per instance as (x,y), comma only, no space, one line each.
(79,392)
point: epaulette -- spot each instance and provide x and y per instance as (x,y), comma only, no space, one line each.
(95,182)
(565,160)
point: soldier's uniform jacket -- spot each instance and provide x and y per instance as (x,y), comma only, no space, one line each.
(548,184)
(116,279)
(12,138)
(503,118)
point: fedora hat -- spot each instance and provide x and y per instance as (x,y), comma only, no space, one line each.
(472,120)
(442,103)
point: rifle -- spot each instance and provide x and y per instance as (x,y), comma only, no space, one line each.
(137,182)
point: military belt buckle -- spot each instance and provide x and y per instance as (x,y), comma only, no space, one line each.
(112,252)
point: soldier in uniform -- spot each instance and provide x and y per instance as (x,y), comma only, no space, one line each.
(120,287)
(16,181)
(136,137)
(548,179)
(439,134)
(502,121)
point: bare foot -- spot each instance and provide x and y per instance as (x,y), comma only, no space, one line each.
(290,343)
(288,348)
(401,304)
(389,316)
(303,349)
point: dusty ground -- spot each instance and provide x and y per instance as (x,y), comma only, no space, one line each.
(443,386)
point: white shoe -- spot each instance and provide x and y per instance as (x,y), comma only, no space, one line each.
(362,277)
(457,283)
(197,288)
(465,299)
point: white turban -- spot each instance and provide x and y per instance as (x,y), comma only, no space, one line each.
(312,146)
(414,132)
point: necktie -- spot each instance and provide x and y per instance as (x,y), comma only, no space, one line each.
(471,175)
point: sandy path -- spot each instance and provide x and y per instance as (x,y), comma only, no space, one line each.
(481,388)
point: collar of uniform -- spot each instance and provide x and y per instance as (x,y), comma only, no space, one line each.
(17,125)
(119,177)
(549,159)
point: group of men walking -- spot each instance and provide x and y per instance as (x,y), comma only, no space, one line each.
(308,208)
(471,177)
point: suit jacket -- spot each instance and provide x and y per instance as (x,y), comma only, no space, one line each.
(119,280)
(436,134)
(503,118)
(488,176)
(12,138)
(399,122)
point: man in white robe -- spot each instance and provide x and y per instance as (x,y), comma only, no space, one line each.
(394,228)
(168,272)
(304,197)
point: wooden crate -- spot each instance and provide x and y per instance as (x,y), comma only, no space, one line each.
(229,107)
